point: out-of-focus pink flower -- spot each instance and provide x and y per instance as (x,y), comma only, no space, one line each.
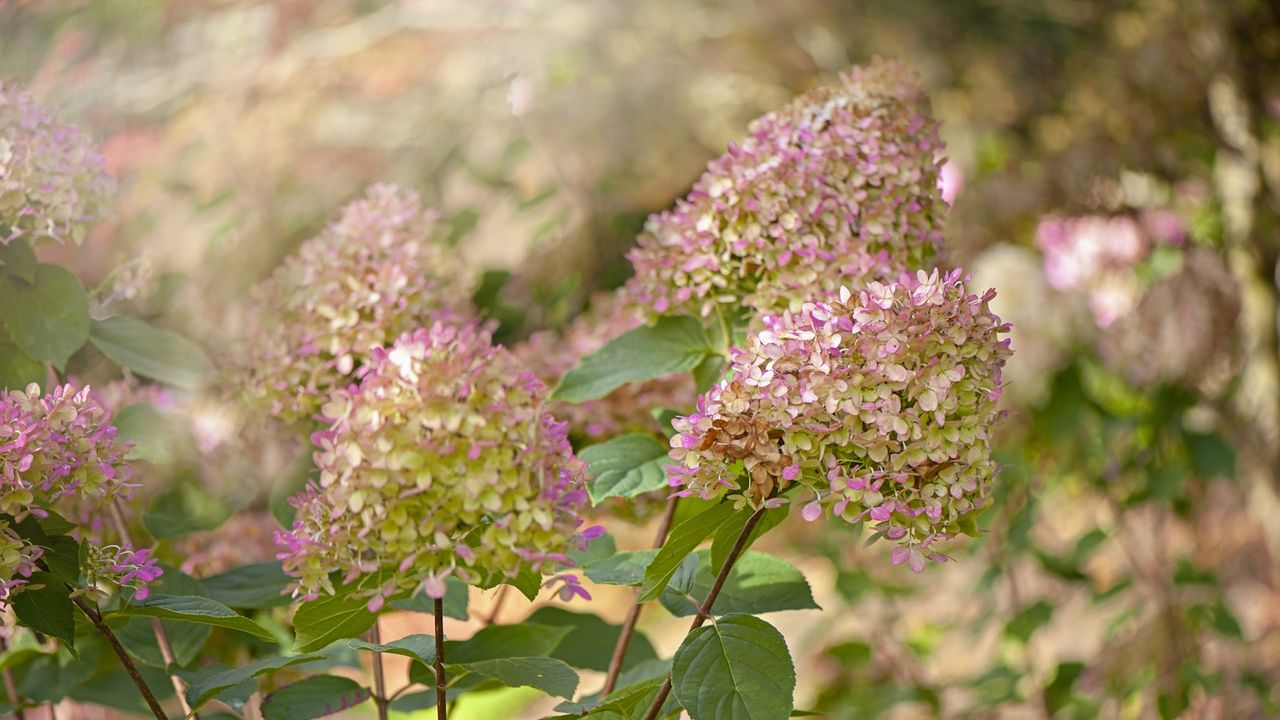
(950,181)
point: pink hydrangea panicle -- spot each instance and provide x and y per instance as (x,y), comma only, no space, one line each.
(838,186)
(17,561)
(442,460)
(879,404)
(372,275)
(53,182)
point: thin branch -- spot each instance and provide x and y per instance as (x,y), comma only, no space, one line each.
(11,687)
(157,627)
(633,615)
(442,710)
(498,601)
(379,682)
(95,618)
(704,611)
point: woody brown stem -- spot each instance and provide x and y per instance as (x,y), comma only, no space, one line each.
(96,618)
(442,708)
(379,681)
(704,610)
(633,615)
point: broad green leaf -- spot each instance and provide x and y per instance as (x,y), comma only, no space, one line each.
(1058,693)
(708,372)
(728,533)
(155,437)
(256,586)
(235,697)
(758,583)
(504,641)
(314,697)
(115,689)
(626,466)
(684,538)
(191,608)
(672,345)
(53,677)
(456,593)
(1211,455)
(320,622)
(1029,619)
(624,568)
(590,643)
(738,668)
(44,605)
(204,688)
(18,260)
(183,509)
(49,319)
(62,557)
(416,647)
(17,371)
(598,548)
(188,639)
(549,675)
(152,352)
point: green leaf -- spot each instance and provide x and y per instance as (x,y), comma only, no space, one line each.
(1058,693)
(1022,626)
(707,372)
(62,557)
(598,548)
(52,677)
(44,605)
(191,608)
(626,466)
(115,689)
(504,641)
(337,617)
(416,647)
(589,645)
(152,352)
(314,697)
(456,593)
(188,639)
(672,345)
(255,586)
(728,533)
(1211,455)
(48,319)
(206,686)
(684,538)
(758,583)
(549,675)
(183,509)
(738,668)
(17,371)
(156,438)
(18,260)
(625,568)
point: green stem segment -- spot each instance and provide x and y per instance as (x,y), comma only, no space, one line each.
(442,709)
(379,681)
(96,618)
(633,616)
(704,611)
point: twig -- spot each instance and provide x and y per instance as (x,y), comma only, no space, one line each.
(498,601)
(157,627)
(379,682)
(442,711)
(704,611)
(633,615)
(96,619)
(11,687)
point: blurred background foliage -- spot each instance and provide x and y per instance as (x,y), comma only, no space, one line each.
(1129,568)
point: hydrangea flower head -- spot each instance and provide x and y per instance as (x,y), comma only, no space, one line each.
(839,186)
(17,561)
(442,461)
(52,179)
(878,404)
(371,276)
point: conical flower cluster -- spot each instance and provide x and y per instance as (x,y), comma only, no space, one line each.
(442,461)
(879,405)
(838,187)
(52,179)
(371,276)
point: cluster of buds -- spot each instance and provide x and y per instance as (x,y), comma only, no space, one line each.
(878,405)
(836,188)
(1097,256)
(549,355)
(371,276)
(59,453)
(442,461)
(52,179)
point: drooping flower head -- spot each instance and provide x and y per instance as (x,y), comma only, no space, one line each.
(837,187)
(442,461)
(371,276)
(878,404)
(52,179)
(549,355)
(60,453)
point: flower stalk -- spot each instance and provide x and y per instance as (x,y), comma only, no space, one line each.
(379,680)
(96,618)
